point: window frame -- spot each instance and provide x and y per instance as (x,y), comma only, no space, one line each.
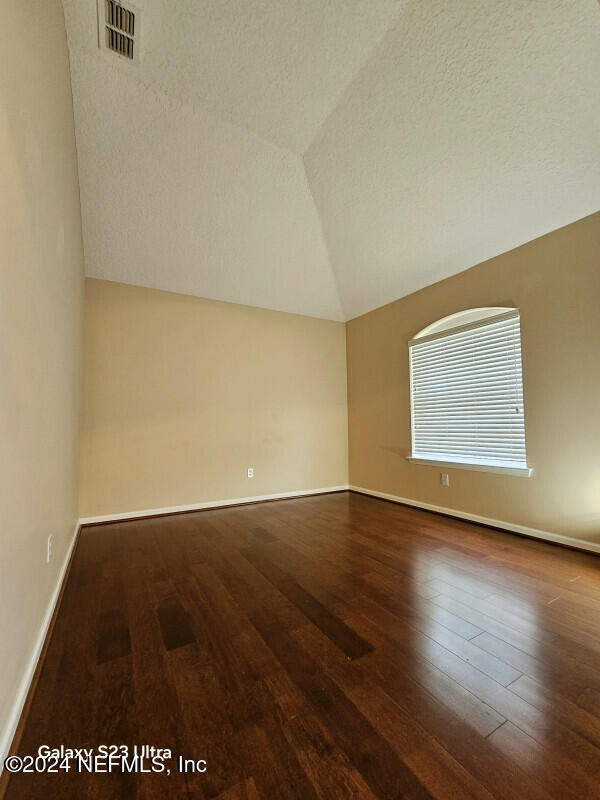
(439,330)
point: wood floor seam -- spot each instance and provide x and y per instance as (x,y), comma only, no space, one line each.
(330,646)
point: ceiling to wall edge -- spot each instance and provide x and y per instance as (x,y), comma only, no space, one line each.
(345,316)
(165,97)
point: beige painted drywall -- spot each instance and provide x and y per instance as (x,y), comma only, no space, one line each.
(182,395)
(41,299)
(555,282)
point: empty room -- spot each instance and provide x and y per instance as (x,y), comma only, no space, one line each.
(299,399)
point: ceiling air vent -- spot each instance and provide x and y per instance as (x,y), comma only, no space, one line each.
(119,29)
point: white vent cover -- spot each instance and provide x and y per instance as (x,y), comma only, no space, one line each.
(119,29)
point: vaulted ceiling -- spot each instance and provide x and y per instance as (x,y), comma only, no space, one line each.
(325,157)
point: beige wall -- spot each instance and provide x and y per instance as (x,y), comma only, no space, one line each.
(182,395)
(555,282)
(41,296)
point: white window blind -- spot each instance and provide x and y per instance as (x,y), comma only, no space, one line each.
(467,394)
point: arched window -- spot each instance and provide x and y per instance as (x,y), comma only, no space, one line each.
(466,386)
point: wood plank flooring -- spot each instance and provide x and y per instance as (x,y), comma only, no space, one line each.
(326,647)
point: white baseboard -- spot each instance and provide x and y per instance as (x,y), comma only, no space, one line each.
(535,533)
(13,720)
(11,726)
(153,512)
(8,733)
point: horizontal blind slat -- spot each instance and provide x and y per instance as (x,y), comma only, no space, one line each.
(454,344)
(467,395)
(478,371)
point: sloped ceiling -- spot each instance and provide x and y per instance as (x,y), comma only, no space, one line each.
(327,156)
(473,129)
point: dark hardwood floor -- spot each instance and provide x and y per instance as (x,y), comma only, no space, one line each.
(327,647)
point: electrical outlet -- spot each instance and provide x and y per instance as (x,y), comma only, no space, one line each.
(444,479)
(49,544)
(250,472)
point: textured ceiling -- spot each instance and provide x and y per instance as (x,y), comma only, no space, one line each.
(473,129)
(328,156)
(276,67)
(173,198)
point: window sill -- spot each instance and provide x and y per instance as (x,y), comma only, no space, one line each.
(523,472)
